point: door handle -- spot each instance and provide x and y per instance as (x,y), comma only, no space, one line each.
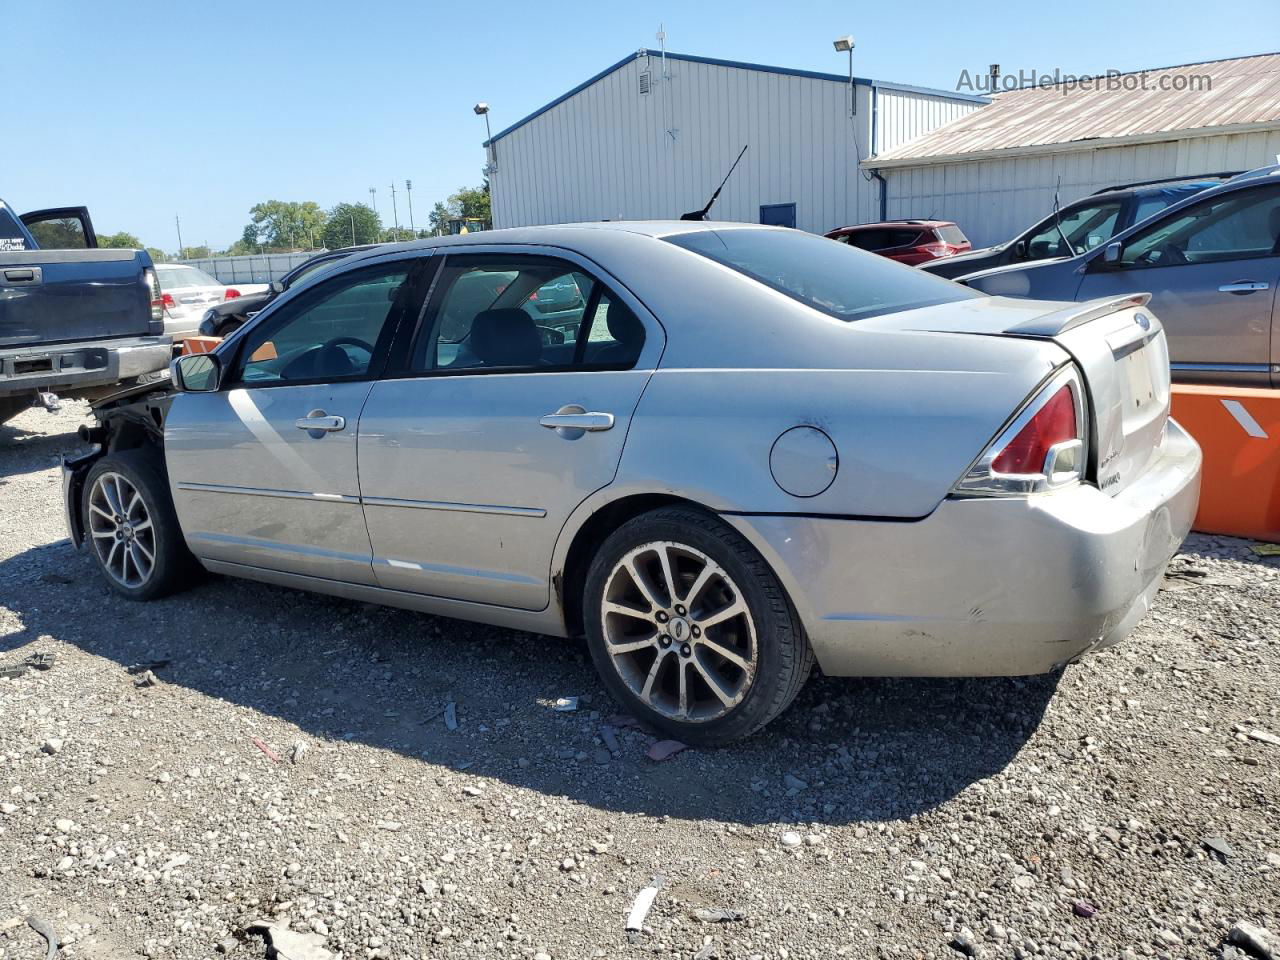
(317,421)
(23,275)
(1243,286)
(591,422)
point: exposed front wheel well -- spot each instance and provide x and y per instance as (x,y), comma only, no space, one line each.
(573,578)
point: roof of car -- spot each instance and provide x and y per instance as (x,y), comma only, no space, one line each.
(881,224)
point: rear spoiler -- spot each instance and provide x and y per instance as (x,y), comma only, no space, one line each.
(1060,321)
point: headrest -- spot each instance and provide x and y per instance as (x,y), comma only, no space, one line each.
(624,326)
(506,338)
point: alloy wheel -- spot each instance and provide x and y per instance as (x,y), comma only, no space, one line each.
(678,631)
(122,531)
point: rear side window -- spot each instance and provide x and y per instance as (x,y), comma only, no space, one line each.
(830,277)
(11,235)
(950,233)
(519,314)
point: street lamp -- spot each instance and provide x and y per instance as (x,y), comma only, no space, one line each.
(408,189)
(482,110)
(845,45)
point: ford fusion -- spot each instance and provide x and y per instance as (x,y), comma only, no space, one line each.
(748,451)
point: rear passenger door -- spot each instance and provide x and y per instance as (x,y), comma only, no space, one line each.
(510,408)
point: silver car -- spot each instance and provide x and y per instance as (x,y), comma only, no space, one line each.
(1211,263)
(759,450)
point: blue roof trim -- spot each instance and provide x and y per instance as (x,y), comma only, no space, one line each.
(740,65)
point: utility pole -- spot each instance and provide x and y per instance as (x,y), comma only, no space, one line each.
(181,248)
(373,198)
(353,229)
(408,188)
(395,216)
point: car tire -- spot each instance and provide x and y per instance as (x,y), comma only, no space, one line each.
(228,327)
(696,636)
(131,528)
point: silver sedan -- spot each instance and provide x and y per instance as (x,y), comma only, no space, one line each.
(751,451)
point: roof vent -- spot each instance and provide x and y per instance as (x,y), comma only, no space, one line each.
(644,83)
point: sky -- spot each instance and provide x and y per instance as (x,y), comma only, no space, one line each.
(146,111)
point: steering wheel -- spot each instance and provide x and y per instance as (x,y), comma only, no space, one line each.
(353,341)
(1165,255)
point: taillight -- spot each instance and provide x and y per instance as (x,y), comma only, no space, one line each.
(157,301)
(167,302)
(938,249)
(231,293)
(1042,449)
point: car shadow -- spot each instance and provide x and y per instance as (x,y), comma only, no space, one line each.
(866,749)
(28,449)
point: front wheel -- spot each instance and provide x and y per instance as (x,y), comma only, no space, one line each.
(131,526)
(690,629)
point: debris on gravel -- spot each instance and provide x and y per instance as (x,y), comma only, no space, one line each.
(890,819)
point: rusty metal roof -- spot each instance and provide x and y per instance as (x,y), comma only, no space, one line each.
(1143,104)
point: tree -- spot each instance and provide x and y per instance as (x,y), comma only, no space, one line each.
(287,224)
(349,224)
(119,241)
(157,255)
(439,219)
(197,253)
(472,203)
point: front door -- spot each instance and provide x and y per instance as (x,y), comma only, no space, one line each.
(513,410)
(263,472)
(1212,269)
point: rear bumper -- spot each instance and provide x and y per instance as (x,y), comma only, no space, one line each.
(94,363)
(985,587)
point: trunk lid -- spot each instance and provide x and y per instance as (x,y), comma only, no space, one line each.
(1117,343)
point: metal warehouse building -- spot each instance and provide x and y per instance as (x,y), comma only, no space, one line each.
(654,134)
(994,171)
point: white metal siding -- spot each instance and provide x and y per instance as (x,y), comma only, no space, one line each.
(609,152)
(992,200)
(904,115)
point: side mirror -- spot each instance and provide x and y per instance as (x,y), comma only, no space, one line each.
(196,373)
(1112,253)
(1020,249)
(277,287)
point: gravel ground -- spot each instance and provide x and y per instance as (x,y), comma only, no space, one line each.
(293,764)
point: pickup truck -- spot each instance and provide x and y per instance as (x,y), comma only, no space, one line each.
(75,320)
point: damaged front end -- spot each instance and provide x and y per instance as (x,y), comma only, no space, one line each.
(127,420)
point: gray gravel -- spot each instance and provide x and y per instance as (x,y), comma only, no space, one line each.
(291,765)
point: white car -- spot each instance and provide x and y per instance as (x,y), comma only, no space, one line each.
(187,293)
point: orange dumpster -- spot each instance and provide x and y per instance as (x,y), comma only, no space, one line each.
(1238,428)
(199,344)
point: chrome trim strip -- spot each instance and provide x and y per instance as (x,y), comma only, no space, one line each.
(265,492)
(1223,367)
(536,512)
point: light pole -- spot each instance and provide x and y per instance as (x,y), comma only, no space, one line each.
(482,110)
(408,189)
(394,214)
(373,198)
(181,250)
(353,229)
(845,44)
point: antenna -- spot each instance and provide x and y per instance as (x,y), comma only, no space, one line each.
(702,214)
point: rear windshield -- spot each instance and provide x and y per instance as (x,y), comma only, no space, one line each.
(176,278)
(951,234)
(832,277)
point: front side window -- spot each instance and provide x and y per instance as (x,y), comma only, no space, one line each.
(59,233)
(830,277)
(524,314)
(1234,226)
(1084,228)
(331,332)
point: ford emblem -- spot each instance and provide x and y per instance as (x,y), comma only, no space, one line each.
(1142,320)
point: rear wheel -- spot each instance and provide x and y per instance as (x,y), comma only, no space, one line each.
(690,629)
(131,527)
(228,327)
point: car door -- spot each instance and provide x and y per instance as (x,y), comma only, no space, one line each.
(263,471)
(1212,269)
(503,420)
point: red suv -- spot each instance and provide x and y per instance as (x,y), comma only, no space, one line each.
(907,241)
